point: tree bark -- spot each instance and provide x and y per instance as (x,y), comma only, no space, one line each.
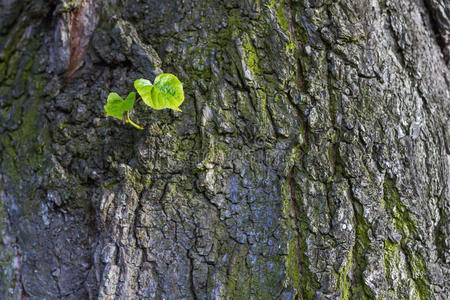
(311,159)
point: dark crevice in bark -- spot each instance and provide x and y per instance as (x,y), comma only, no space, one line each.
(191,277)
(271,120)
(359,249)
(299,52)
(439,233)
(297,228)
(48,20)
(436,28)
(358,287)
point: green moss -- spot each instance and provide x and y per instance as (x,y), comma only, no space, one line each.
(2,71)
(238,279)
(70,5)
(402,219)
(297,262)
(417,267)
(261,107)
(233,30)
(343,277)
(391,260)
(391,255)
(291,261)
(290,47)
(419,274)
(24,156)
(5,141)
(27,133)
(27,71)
(292,265)
(251,58)
(404,223)
(362,229)
(309,283)
(12,65)
(281,16)
(280,12)
(235,20)
(358,288)
(278,6)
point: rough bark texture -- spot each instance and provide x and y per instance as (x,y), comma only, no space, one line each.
(311,159)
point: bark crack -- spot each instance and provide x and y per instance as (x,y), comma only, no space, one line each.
(297,228)
(299,48)
(441,34)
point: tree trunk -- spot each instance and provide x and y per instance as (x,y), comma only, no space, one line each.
(311,159)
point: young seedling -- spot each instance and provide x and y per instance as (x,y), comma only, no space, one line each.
(165,92)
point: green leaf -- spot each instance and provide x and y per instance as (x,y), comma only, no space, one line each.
(129,101)
(167,92)
(116,106)
(144,88)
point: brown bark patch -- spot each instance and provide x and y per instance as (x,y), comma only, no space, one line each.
(82,25)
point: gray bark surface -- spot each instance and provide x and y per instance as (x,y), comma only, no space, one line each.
(311,159)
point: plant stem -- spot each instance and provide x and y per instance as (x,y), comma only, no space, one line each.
(137,100)
(132,123)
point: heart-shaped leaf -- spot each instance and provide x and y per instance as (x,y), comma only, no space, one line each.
(166,92)
(116,106)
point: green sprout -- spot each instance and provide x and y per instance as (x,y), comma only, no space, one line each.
(165,92)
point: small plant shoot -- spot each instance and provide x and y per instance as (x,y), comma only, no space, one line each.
(165,92)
